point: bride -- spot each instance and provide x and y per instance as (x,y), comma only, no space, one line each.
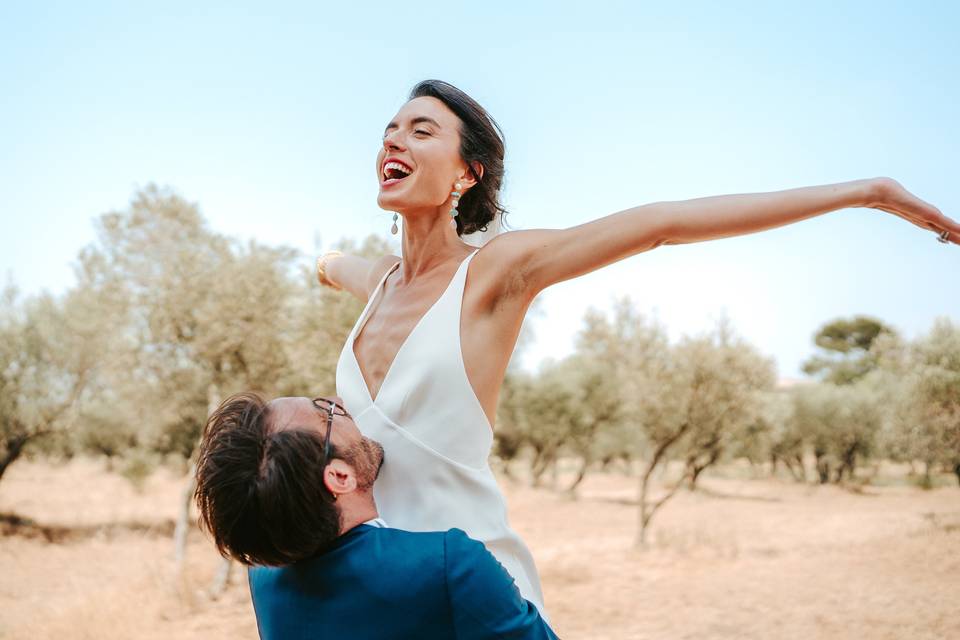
(422,369)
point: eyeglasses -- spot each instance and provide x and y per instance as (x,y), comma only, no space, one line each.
(330,408)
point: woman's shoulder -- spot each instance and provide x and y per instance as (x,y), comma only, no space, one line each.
(378,269)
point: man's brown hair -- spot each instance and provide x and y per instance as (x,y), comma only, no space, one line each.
(260,492)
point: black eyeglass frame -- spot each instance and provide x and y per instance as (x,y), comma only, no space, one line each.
(329,407)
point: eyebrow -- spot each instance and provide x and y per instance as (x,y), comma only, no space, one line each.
(417,120)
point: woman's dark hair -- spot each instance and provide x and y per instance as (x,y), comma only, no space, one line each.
(481,140)
(260,493)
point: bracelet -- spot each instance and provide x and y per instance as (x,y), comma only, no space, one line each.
(322,270)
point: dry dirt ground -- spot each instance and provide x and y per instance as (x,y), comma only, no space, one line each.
(745,559)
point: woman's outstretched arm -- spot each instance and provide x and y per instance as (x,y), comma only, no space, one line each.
(540,258)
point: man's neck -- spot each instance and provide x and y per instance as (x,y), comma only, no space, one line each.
(355,510)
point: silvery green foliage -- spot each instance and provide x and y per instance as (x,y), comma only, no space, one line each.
(202,315)
(845,353)
(51,355)
(922,400)
(725,384)
(841,423)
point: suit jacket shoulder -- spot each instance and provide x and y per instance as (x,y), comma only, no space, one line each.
(374,583)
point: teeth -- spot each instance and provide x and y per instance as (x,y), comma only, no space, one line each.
(397,166)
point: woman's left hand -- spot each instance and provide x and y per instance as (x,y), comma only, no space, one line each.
(889,195)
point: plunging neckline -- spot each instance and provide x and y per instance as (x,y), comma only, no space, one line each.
(379,293)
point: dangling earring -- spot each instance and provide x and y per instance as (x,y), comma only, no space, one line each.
(456,201)
(394,228)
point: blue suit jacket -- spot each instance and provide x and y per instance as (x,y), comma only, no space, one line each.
(386,583)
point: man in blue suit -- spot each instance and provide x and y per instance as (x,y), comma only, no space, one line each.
(286,487)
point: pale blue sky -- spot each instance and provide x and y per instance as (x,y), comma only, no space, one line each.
(270,117)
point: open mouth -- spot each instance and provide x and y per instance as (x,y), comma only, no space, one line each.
(393,172)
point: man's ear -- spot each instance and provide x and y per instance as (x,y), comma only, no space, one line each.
(339,477)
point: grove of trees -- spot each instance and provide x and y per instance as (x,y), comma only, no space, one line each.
(628,395)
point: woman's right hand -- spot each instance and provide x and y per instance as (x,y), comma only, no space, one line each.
(889,195)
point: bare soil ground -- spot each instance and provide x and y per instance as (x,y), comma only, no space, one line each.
(90,557)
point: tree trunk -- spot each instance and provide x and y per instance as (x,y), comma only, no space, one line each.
(823,469)
(572,489)
(658,455)
(644,519)
(802,468)
(183,522)
(14,448)
(850,463)
(927,482)
(222,580)
(642,535)
(646,509)
(694,474)
(695,467)
(797,475)
(537,466)
(183,519)
(606,462)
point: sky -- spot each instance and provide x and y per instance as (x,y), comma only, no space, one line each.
(269,116)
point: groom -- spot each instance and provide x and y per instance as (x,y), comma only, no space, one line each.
(286,487)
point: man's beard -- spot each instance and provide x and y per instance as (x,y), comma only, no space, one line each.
(366,458)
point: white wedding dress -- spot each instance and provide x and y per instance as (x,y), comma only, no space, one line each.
(436,437)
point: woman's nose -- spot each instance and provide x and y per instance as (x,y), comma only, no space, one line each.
(391,140)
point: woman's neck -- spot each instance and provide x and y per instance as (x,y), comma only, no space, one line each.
(429,240)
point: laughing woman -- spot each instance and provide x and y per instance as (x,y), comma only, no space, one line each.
(422,369)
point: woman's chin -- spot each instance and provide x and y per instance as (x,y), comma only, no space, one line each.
(388,203)
(394,202)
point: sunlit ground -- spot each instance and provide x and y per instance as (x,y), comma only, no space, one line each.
(748,558)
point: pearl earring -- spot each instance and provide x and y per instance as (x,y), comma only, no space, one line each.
(456,201)
(394,228)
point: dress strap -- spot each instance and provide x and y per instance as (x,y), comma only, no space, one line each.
(362,320)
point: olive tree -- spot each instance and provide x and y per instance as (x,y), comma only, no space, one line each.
(51,350)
